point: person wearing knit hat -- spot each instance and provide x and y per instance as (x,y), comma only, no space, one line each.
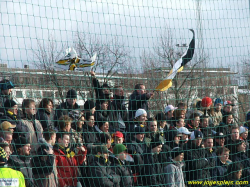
(67,106)
(173,171)
(152,172)
(6,87)
(140,119)
(217,111)
(118,149)
(8,176)
(89,106)
(11,111)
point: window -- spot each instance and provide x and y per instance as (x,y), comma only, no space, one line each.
(19,94)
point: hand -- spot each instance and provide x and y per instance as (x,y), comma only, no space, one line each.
(92,73)
(50,151)
(81,148)
(150,94)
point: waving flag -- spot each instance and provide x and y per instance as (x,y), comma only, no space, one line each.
(178,66)
(71,61)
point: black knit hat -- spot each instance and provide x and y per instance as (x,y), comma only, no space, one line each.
(105,85)
(9,103)
(176,151)
(89,104)
(71,94)
(139,130)
(155,141)
(21,141)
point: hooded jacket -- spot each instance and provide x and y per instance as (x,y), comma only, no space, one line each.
(101,174)
(122,169)
(67,165)
(22,163)
(173,174)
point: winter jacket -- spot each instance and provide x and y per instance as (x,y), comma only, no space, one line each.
(173,174)
(3,98)
(89,136)
(137,101)
(10,117)
(211,157)
(152,172)
(101,174)
(217,118)
(67,165)
(118,115)
(101,115)
(122,169)
(44,117)
(99,91)
(22,163)
(43,166)
(219,171)
(241,157)
(63,109)
(196,163)
(32,130)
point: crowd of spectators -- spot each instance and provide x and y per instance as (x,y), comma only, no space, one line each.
(107,143)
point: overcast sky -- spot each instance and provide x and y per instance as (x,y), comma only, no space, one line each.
(136,23)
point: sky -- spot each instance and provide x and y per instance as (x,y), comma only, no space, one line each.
(135,23)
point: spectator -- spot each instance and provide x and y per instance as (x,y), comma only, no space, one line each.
(120,166)
(240,156)
(6,136)
(152,131)
(210,153)
(100,172)
(139,99)
(43,165)
(243,136)
(219,140)
(217,113)
(196,163)
(8,176)
(20,160)
(65,107)
(181,112)
(220,169)
(118,113)
(208,110)
(194,122)
(6,147)
(67,161)
(179,123)
(29,126)
(185,135)
(136,147)
(102,112)
(11,112)
(105,139)
(118,137)
(205,128)
(173,170)
(102,126)
(44,112)
(234,174)
(139,120)
(89,107)
(77,124)
(152,172)
(7,126)
(169,113)
(228,107)
(100,91)
(234,135)
(226,124)
(161,122)
(247,123)
(6,87)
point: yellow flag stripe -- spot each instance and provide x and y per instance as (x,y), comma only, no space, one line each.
(164,85)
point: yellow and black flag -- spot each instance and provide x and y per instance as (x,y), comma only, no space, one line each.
(178,66)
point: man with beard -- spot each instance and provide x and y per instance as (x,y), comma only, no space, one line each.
(29,126)
(66,107)
(20,160)
(118,113)
(43,165)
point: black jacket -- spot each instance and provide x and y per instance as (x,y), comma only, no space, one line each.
(219,171)
(152,172)
(137,101)
(241,157)
(22,163)
(99,91)
(196,163)
(43,116)
(63,109)
(100,174)
(122,168)
(118,115)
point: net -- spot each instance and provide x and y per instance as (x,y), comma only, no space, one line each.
(125,93)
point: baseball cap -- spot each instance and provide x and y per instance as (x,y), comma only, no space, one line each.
(243,129)
(184,130)
(169,108)
(196,134)
(6,126)
(228,103)
(219,135)
(118,134)
(139,112)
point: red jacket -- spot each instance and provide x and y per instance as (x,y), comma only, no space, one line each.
(67,166)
